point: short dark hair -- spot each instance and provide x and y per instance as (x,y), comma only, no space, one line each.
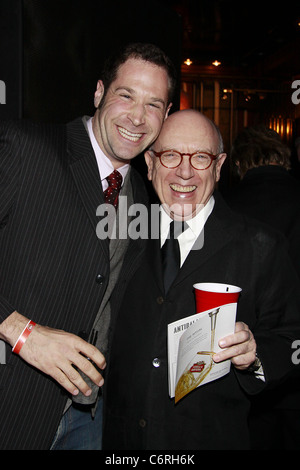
(143,51)
(257,146)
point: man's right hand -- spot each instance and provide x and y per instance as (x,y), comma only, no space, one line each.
(56,353)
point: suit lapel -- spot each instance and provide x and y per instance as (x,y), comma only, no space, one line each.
(85,172)
(220,228)
(154,261)
(153,249)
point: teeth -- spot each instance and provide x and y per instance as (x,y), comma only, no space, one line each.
(182,189)
(129,135)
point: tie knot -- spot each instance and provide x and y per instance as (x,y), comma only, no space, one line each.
(115,180)
(177,227)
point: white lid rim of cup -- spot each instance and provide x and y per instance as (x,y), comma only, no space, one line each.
(217,287)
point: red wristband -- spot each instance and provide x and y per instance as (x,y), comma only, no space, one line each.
(23,336)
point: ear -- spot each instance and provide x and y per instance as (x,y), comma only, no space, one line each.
(149,163)
(98,93)
(221,159)
(167,111)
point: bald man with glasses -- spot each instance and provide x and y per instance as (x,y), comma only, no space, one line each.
(184,165)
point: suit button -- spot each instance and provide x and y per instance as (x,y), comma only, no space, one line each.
(156,362)
(160,300)
(142,422)
(99,279)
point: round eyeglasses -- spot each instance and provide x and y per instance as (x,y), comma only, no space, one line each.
(173,158)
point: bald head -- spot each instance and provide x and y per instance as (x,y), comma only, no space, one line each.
(189,124)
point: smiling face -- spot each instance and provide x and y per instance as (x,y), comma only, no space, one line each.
(183,188)
(132,112)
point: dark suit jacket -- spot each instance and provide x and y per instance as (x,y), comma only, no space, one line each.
(271,195)
(53,268)
(139,412)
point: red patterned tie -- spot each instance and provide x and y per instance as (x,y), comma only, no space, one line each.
(111,194)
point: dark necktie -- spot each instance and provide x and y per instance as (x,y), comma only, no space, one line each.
(111,194)
(171,253)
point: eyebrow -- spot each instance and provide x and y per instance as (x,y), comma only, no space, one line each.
(133,92)
(130,90)
(199,150)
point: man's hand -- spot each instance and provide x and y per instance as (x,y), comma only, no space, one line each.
(241,347)
(56,353)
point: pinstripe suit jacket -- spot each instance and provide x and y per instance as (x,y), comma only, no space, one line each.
(53,268)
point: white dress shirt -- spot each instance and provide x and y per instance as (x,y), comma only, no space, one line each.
(189,236)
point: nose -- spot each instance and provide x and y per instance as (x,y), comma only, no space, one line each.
(185,169)
(137,114)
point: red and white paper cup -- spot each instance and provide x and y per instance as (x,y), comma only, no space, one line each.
(211,295)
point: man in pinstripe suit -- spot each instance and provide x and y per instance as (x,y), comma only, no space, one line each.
(54,270)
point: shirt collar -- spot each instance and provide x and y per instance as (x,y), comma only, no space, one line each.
(196,224)
(105,166)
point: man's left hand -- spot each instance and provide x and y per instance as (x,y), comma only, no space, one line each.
(240,347)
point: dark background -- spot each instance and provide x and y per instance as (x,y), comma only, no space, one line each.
(51,51)
(51,54)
